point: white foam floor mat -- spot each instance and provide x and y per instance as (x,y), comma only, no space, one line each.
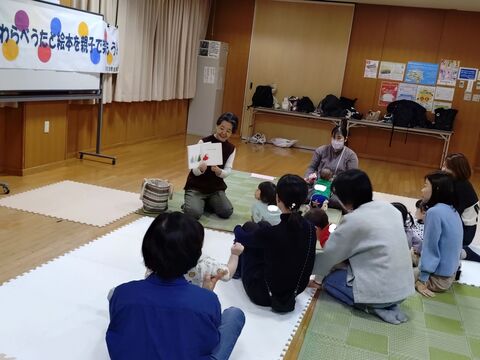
(78,202)
(60,310)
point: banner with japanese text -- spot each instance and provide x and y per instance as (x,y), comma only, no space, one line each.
(113,58)
(48,37)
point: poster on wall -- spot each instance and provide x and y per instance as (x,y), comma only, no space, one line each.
(371,69)
(209,74)
(425,96)
(421,73)
(465,73)
(444,93)
(388,93)
(407,92)
(448,73)
(391,71)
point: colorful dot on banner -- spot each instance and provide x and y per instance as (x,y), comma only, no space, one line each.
(83,29)
(55,26)
(109,58)
(44,53)
(95,56)
(10,50)
(105,35)
(21,20)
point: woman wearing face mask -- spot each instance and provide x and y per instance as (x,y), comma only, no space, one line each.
(336,156)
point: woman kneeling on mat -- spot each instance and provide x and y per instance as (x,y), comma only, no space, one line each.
(164,316)
(205,186)
(278,260)
(377,274)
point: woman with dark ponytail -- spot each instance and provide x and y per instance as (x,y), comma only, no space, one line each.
(278,260)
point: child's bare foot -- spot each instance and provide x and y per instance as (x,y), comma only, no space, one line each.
(315,285)
(325,205)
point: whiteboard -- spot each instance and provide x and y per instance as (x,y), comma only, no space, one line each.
(45,80)
(48,80)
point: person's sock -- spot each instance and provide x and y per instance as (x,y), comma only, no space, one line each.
(392,314)
(471,255)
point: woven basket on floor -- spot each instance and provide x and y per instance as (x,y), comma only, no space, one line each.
(155,194)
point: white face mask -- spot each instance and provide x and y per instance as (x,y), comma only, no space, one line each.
(338,144)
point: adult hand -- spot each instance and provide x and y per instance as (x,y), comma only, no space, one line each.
(423,289)
(209,281)
(237,249)
(202,166)
(217,170)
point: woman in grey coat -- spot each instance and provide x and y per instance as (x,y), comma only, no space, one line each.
(375,272)
(335,156)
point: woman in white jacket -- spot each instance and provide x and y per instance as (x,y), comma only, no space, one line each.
(377,274)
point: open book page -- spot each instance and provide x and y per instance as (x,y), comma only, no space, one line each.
(209,152)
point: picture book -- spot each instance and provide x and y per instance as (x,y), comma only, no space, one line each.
(209,152)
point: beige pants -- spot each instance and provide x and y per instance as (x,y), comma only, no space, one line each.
(437,283)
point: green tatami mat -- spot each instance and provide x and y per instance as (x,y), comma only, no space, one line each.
(446,327)
(240,191)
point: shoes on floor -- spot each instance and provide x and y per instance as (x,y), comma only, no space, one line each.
(258,138)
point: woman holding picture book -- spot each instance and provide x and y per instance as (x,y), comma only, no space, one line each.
(205,187)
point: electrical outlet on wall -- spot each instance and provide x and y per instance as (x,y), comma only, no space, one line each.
(46,127)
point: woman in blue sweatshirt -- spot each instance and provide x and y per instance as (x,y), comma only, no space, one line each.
(442,237)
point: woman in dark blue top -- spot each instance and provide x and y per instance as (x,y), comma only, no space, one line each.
(278,260)
(163,316)
(466,200)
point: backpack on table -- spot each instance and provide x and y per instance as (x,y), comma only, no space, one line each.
(444,119)
(263,96)
(406,113)
(305,104)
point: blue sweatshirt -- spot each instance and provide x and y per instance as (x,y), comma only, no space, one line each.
(442,242)
(163,319)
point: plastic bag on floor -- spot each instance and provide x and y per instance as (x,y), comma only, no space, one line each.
(281,142)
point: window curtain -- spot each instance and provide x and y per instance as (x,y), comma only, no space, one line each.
(136,24)
(180,26)
(158,48)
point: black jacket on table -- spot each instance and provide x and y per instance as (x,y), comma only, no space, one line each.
(209,182)
(276,257)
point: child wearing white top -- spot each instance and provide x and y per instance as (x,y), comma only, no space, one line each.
(265,206)
(207,265)
(420,210)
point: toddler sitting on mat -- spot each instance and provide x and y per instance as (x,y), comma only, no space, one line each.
(209,266)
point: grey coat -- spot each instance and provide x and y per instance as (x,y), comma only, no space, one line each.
(373,239)
(325,156)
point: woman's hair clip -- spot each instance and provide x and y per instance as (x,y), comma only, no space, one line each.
(292,207)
